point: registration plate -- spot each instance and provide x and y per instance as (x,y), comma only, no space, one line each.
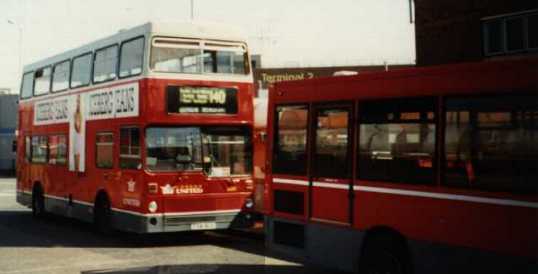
(203,226)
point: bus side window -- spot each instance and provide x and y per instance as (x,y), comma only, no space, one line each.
(290,140)
(104,150)
(27,85)
(39,149)
(105,64)
(491,143)
(397,140)
(130,148)
(28,148)
(131,57)
(57,149)
(81,70)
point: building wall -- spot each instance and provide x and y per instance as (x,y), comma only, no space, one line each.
(450,31)
(8,124)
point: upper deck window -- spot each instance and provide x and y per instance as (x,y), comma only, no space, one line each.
(27,85)
(193,56)
(132,53)
(42,81)
(60,76)
(105,64)
(80,75)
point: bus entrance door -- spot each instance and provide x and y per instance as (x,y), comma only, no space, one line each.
(330,163)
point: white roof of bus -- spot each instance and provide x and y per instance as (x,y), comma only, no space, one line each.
(203,30)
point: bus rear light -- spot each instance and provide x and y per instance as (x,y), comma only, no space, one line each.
(153,188)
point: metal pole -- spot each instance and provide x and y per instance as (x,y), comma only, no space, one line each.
(192,10)
(20,49)
(19,28)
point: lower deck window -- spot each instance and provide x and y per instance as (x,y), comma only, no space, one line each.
(39,149)
(57,149)
(397,141)
(219,151)
(491,143)
(104,150)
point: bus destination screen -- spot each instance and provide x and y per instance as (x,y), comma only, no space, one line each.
(208,100)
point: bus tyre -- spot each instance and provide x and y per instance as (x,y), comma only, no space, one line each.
(384,254)
(102,215)
(38,203)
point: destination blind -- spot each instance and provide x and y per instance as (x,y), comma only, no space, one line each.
(207,100)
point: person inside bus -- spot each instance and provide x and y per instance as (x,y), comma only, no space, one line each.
(183,158)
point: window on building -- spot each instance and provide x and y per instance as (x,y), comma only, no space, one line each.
(42,81)
(130,148)
(397,140)
(132,54)
(39,149)
(332,143)
(510,34)
(105,64)
(80,74)
(289,156)
(27,85)
(104,150)
(57,150)
(60,76)
(491,143)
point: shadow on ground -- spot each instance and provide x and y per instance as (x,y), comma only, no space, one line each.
(26,231)
(209,269)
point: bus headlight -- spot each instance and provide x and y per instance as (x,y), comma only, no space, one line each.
(152,206)
(249,203)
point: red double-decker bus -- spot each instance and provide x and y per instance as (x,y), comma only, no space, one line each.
(423,170)
(148,130)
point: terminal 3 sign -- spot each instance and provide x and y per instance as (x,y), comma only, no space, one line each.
(263,77)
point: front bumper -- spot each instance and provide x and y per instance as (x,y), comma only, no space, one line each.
(176,222)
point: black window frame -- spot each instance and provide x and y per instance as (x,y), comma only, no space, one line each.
(90,53)
(276,131)
(143,37)
(471,99)
(50,81)
(348,106)
(68,78)
(435,122)
(525,15)
(116,69)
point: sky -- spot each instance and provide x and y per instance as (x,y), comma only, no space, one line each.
(287,33)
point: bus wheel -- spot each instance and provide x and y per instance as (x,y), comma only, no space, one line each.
(38,202)
(101,217)
(384,253)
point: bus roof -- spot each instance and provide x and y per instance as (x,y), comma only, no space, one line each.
(487,76)
(202,30)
